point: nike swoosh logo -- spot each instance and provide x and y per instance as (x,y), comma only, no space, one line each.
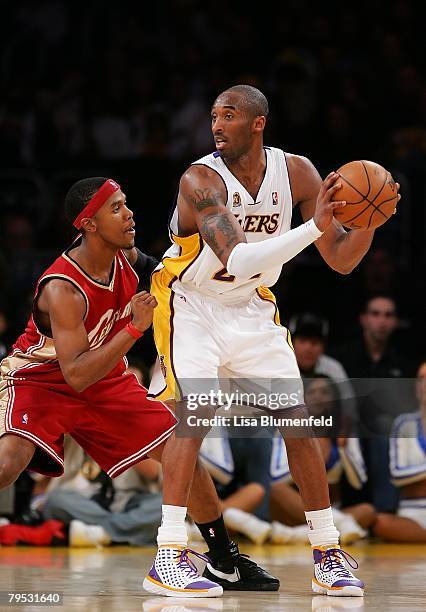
(234,577)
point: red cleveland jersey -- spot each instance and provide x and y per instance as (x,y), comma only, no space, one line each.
(107,312)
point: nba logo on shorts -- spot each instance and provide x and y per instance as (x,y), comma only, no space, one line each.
(275,198)
(25,419)
(211,532)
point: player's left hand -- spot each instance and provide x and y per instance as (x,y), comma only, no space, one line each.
(325,205)
(143,304)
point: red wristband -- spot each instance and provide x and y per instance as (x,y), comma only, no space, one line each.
(133,331)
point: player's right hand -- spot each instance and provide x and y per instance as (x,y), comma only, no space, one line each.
(323,215)
(143,305)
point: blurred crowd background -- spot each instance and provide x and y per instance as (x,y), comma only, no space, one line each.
(113,90)
(122,91)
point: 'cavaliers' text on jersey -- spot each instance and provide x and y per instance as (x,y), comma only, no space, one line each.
(108,310)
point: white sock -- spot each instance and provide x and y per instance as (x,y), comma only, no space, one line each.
(173,529)
(322,531)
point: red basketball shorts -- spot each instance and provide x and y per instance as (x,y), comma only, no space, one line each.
(112,420)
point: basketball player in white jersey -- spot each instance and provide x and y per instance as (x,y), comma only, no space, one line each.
(231,236)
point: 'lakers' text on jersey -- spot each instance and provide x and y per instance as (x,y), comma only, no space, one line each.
(193,263)
(108,310)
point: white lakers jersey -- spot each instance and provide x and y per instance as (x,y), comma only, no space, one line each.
(193,263)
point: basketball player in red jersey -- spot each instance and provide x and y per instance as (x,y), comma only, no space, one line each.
(66,373)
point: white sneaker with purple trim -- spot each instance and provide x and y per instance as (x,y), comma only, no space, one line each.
(173,574)
(331,576)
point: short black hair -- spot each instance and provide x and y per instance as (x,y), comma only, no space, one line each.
(80,193)
(253,100)
(381,295)
(309,325)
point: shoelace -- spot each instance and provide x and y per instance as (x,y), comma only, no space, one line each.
(235,552)
(241,558)
(185,563)
(332,559)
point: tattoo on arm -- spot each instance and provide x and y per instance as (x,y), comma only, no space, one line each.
(203,198)
(214,228)
(215,225)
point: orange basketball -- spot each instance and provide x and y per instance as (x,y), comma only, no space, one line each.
(370,194)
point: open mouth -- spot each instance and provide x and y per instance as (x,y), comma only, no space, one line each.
(131,230)
(220,143)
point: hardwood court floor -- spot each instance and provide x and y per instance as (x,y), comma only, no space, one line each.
(110,579)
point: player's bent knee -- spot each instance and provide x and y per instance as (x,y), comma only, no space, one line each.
(10,469)
(15,455)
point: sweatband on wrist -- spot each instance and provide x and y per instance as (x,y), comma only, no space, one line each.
(247,259)
(133,331)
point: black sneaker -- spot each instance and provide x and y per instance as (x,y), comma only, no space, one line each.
(246,574)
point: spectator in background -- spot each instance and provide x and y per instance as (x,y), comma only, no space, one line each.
(408,470)
(289,525)
(372,360)
(85,502)
(383,274)
(309,336)
(372,354)
(98,510)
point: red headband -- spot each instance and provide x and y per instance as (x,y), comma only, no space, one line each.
(98,200)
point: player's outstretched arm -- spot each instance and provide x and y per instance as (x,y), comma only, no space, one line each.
(81,366)
(202,202)
(340,249)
